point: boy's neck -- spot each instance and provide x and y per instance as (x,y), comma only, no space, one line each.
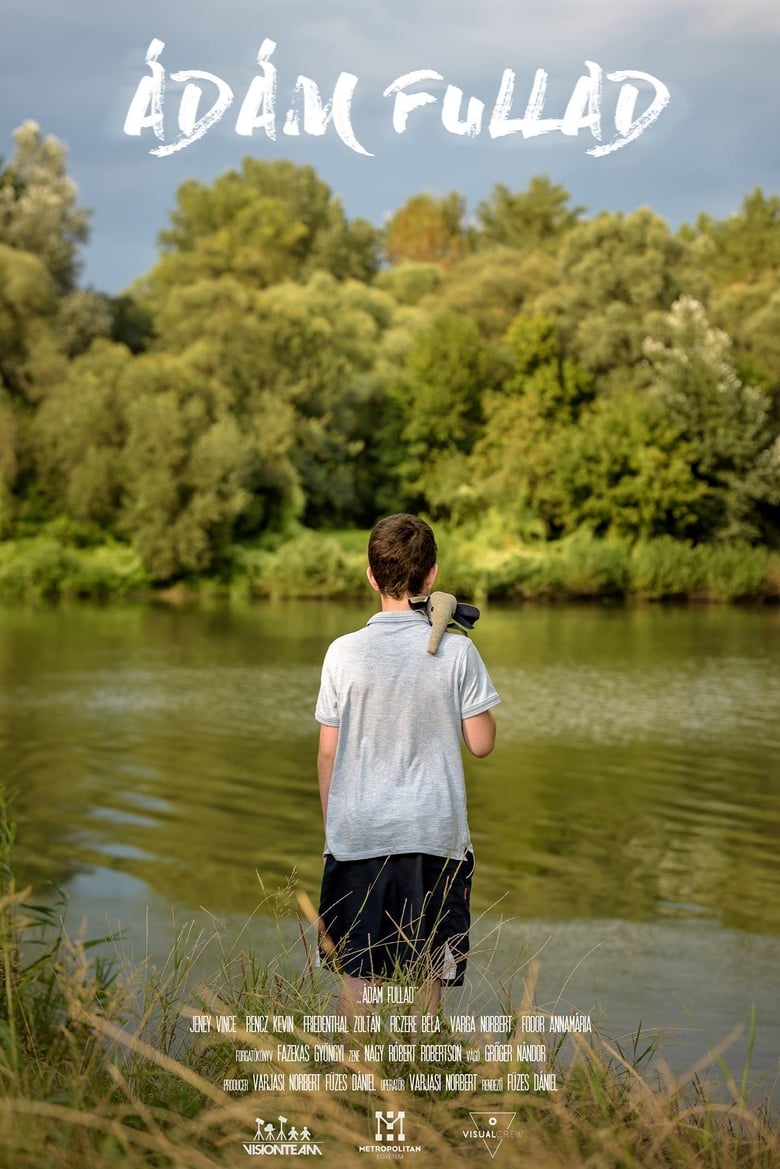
(394,605)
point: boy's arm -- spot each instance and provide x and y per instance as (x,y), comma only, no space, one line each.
(326,755)
(479,733)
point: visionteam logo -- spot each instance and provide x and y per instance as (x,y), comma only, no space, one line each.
(390,1137)
(276,1140)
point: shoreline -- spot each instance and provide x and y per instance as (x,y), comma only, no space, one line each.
(320,565)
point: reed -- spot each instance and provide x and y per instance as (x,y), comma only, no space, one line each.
(479,563)
(102,1064)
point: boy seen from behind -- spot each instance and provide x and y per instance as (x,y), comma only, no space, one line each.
(398,856)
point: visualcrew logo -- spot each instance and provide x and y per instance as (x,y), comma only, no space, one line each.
(276,1140)
(491,1128)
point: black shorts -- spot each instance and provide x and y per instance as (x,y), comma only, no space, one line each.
(388,915)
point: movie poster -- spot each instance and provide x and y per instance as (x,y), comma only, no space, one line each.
(158,739)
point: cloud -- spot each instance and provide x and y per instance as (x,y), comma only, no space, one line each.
(74,68)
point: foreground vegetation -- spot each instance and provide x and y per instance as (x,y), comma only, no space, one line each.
(98,1067)
(480,565)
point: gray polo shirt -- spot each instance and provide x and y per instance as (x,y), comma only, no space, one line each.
(398,783)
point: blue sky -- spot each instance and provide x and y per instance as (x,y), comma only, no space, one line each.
(74,69)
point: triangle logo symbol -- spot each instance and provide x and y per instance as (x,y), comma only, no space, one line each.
(498,1122)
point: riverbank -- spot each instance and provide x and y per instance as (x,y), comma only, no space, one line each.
(104,1063)
(326,565)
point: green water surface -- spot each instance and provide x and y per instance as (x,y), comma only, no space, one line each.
(636,776)
(626,828)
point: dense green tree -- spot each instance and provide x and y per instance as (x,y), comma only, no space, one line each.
(725,424)
(41,227)
(493,286)
(8,463)
(445,374)
(435,408)
(183,470)
(27,307)
(695,458)
(618,274)
(306,350)
(537,217)
(148,448)
(621,470)
(542,395)
(750,314)
(83,315)
(131,323)
(741,255)
(78,436)
(552,383)
(323,338)
(745,245)
(265,373)
(268,222)
(411,280)
(429,229)
(39,212)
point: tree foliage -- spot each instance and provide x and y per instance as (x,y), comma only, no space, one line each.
(429,229)
(724,424)
(537,217)
(536,371)
(38,205)
(742,247)
(437,400)
(268,222)
(27,306)
(619,273)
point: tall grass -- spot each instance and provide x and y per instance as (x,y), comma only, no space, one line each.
(100,1067)
(582,566)
(482,564)
(479,562)
(309,564)
(43,568)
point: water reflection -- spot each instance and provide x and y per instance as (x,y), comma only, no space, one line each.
(636,775)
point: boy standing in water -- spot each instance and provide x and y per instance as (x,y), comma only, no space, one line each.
(398,855)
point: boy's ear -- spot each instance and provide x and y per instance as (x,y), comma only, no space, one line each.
(430,580)
(372,579)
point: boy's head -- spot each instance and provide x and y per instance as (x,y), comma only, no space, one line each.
(401,555)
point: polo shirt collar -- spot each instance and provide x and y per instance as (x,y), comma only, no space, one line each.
(396,617)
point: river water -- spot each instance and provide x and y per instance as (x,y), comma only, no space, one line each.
(626,828)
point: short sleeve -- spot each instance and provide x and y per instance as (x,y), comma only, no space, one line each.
(327,709)
(477,692)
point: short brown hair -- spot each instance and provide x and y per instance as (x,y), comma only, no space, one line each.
(401,553)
